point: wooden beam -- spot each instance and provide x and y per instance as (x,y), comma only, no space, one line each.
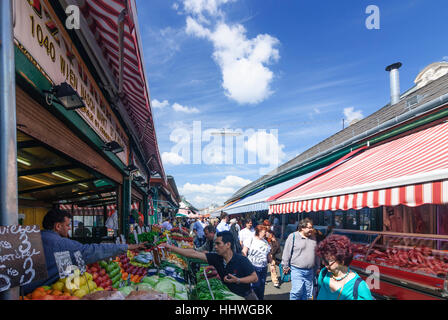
(65,184)
(45,170)
(36,121)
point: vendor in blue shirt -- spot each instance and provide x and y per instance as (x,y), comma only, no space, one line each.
(235,270)
(57,224)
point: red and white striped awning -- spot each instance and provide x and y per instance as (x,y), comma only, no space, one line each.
(102,17)
(411,170)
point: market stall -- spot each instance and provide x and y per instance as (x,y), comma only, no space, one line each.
(404,266)
(149,274)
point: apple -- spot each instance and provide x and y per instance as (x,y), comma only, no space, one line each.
(109,282)
(95,275)
(93,270)
(102,272)
(109,288)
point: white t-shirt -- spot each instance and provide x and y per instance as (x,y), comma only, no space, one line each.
(258,251)
(246,234)
(223,226)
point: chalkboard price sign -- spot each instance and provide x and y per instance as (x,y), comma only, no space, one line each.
(22,258)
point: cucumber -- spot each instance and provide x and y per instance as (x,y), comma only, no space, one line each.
(114,272)
(116,278)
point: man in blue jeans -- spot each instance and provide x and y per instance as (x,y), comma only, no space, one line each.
(299,258)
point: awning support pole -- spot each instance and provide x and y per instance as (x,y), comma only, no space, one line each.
(8,136)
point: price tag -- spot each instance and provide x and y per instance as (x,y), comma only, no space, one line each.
(64,263)
(139,230)
(117,241)
(168,240)
(80,261)
(136,237)
(123,239)
(22,258)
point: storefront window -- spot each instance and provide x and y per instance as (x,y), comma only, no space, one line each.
(365,217)
(410,219)
(339,219)
(442,220)
(351,221)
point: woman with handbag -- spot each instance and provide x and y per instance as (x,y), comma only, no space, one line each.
(258,251)
(275,250)
(336,281)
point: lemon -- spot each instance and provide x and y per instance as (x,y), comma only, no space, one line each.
(80,293)
(88,276)
(59,285)
(82,280)
(92,284)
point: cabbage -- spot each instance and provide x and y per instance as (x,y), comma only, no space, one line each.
(166,286)
(126,290)
(143,287)
(152,281)
(181,296)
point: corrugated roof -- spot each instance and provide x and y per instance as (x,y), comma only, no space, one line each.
(425,94)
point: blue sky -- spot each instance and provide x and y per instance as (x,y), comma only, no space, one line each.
(289,65)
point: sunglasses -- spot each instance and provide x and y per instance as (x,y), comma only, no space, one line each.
(328,263)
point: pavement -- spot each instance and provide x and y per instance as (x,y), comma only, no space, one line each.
(273,293)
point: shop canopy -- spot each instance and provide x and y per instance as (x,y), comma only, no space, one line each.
(103,18)
(411,170)
(257,202)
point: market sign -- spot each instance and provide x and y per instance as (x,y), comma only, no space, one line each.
(41,36)
(22,258)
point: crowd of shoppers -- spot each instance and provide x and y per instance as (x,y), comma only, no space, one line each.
(318,264)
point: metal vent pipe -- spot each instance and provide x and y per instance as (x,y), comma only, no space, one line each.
(394,82)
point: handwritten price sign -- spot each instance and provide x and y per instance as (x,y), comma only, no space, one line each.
(22,258)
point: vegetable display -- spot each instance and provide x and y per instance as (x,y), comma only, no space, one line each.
(220,291)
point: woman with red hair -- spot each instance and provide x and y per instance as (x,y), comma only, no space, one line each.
(336,280)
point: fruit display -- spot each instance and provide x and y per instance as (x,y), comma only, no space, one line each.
(47,293)
(72,288)
(177,260)
(100,275)
(129,270)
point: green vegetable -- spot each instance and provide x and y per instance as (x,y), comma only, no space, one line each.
(116,278)
(151,280)
(126,290)
(116,285)
(114,272)
(166,286)
(103,264)
(181,296)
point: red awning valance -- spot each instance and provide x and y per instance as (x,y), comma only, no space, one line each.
(411,170)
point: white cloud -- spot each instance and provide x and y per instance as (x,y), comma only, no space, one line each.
(245,77)
(179,108)
(159,105)
(172,158)
(266,147)
(199,7)
(350,114)
(203,195)
(233,181)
